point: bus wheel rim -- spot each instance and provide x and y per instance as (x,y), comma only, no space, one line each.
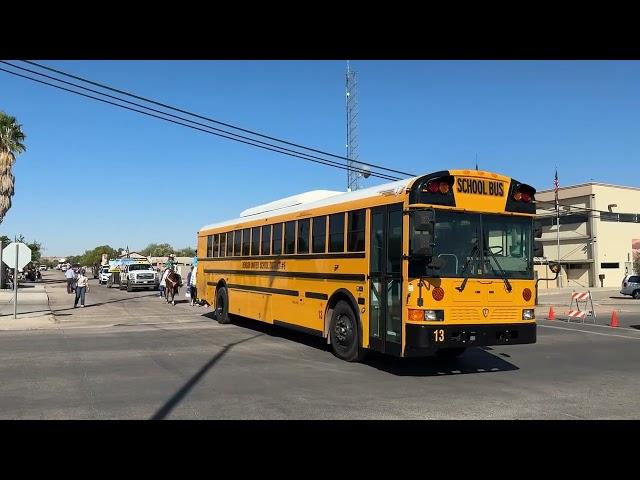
(344,330)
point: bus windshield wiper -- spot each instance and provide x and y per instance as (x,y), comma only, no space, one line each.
(502,272)
(472,256)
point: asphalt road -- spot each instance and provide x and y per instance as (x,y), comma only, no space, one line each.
(131,356)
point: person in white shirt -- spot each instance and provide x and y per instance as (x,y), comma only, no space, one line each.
(82,286)
(163,282)
(70,275)
(192,285)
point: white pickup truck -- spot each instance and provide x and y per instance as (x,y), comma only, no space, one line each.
(139,275)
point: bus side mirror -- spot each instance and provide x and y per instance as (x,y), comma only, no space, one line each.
(537,231)
(538,250)
(554,267)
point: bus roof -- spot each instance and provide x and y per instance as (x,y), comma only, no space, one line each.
(314,199)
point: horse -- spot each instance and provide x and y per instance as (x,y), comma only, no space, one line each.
(174,282)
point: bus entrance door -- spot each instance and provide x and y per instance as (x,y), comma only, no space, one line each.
(385,280)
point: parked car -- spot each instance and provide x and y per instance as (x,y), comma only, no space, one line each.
(103,276)
(631,286)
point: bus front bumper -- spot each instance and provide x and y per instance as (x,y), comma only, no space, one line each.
(424,340)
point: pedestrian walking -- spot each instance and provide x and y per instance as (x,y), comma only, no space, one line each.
(82,287)
(191,284)
(70,275)
(163,282)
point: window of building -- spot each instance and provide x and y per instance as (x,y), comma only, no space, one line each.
(277,239)
(336,232)
(255,241)
(266,240)
(627,217)
(355,231)
(303,235)
(237,243)
(246,241)
(319,235)
(289,237)
(609,265)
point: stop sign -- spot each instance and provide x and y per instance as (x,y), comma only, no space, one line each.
(9,255)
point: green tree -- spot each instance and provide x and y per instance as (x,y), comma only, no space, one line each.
(186,252)
(157,250)
(36,251)
(11,144)
(94,256)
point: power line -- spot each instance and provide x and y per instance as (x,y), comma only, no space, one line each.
(248,141)
(123,92)
(380,175)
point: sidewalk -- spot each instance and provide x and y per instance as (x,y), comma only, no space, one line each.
(33,308)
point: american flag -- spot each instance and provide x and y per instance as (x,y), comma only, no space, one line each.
(555,188)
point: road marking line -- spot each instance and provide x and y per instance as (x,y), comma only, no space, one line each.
(587,331)
(591,325)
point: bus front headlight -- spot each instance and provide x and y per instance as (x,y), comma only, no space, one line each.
(434,315)
(528,314)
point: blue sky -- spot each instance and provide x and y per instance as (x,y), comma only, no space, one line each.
(95,174)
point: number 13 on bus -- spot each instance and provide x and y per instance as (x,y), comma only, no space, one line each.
(430,265)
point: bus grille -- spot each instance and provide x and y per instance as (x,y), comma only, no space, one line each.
(496,314)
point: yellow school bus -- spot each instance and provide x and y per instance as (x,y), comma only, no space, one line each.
(429,265)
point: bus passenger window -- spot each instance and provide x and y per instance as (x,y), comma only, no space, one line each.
(303,236)
(223,244)
(255,241)
(277,239)
(355,231)
(245,241)
(237,242)
(289,237)
(266,240)
(215,245)
(319,234)
(336,232)
(210,246)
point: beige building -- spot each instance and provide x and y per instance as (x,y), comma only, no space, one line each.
(598,224)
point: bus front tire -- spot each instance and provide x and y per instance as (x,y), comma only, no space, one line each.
(344,333)
(222,306)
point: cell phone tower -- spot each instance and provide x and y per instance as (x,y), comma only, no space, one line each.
(355,170)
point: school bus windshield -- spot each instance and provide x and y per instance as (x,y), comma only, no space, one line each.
(479,245)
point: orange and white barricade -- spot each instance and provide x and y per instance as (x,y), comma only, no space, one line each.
(587,309)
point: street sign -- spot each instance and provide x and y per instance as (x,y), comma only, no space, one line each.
(9,255)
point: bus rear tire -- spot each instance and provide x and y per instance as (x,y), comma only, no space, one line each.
(451,352)
(344,334)
(222,306)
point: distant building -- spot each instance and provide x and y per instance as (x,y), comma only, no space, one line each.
(599,225)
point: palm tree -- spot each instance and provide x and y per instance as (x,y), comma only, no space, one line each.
(11,138)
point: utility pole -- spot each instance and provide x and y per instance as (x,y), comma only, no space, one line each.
(351,101)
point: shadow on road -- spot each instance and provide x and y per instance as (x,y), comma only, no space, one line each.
(623,297)
(474,360)
(177,397)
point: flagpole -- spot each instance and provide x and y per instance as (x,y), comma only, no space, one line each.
(558,228)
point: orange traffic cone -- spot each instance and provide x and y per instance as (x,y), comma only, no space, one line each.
(552,314)
(614,319)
